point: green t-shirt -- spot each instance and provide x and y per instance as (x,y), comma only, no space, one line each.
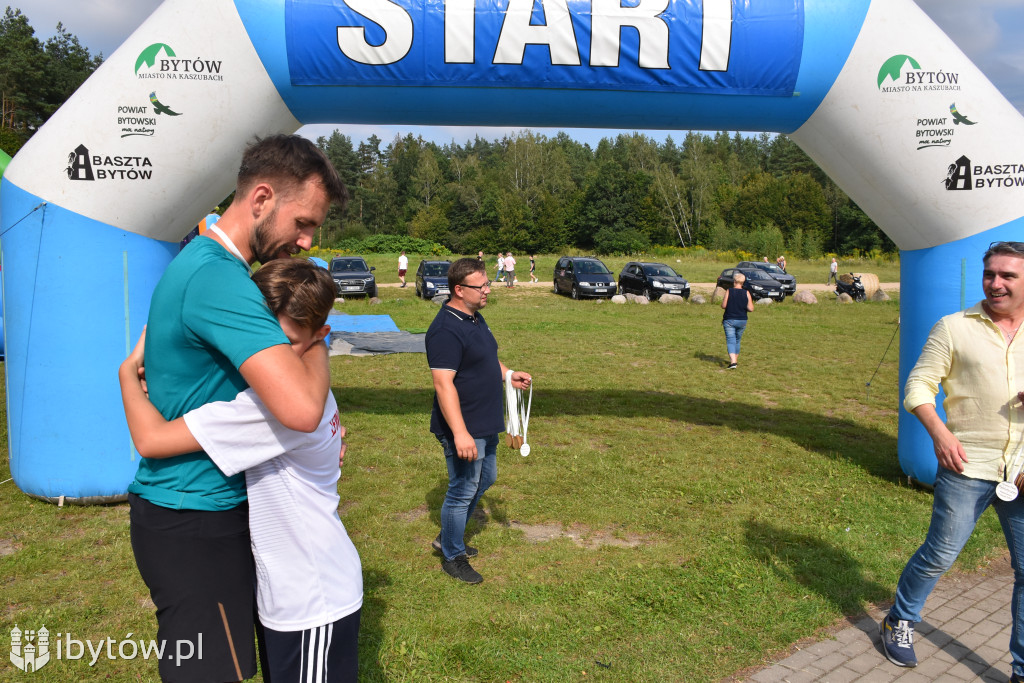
(206,319)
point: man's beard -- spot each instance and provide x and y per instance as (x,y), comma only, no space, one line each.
(262,241)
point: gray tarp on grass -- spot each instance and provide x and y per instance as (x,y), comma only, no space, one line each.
(375,343)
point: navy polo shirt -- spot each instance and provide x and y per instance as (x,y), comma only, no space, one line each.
(463,343)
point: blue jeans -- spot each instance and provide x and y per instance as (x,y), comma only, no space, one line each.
(467,482)
(958,503)
(733,334)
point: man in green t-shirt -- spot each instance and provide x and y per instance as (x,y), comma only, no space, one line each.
(210,335)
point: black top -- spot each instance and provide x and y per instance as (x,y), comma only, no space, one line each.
(736,306)
(463,343)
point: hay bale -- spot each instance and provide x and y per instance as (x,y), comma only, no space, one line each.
(879,295)
(804,296)
(870,282)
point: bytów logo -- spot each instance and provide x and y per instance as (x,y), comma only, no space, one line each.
(30,650)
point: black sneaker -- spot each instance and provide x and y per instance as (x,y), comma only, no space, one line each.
(898,641)
(459,568)
(436,545)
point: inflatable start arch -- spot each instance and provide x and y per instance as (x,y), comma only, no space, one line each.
(93,207)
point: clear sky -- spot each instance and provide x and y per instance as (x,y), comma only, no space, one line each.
(990,32)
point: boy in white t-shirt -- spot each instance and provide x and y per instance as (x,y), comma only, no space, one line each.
(310,588)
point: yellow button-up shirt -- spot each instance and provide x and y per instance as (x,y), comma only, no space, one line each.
(981,373)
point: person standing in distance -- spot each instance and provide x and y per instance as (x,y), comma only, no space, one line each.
(833,272)
(977,357)
(209,336)
(403,267)
(737,303)
(468,412)
(510,270)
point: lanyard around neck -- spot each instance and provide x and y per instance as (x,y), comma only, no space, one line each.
(230,246)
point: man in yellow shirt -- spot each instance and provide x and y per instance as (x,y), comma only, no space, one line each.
(976,357)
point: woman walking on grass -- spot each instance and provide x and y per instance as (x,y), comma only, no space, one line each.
(737,303)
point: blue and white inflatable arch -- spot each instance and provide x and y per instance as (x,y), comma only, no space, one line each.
(93,207)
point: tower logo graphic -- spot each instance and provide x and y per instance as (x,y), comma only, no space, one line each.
(30,650)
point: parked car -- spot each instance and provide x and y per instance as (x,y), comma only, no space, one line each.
(352,276)
(775,272)
(759,283)
(652,280)
(432,278)
(584,276)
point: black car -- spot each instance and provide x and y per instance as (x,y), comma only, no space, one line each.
(432,278)
(759,283)
(652,280)
(775,272)
(352,276)
(584,276)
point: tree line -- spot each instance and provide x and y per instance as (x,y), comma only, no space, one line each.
(525,192)
(532,193)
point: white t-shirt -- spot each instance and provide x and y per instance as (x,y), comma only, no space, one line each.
(501,263)
(308,572)
(403,262)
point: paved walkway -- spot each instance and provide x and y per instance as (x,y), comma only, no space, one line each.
(964,637)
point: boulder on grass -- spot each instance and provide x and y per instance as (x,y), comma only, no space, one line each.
(844,298)
(440,299)
(618,299)
(374,300)
(698,299)
(803,296)
(879,295)
(764,302)
(672,299)
(718,294)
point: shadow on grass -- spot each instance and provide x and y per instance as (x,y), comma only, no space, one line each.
(491,501)
(371,625)
(835,437)
(816,564)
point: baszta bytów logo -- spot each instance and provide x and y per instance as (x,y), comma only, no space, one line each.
(83,165)
(30,650)
(963,175)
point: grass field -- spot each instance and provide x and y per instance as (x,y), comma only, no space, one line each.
(675,521)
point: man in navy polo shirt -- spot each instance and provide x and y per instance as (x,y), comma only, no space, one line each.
(468,411)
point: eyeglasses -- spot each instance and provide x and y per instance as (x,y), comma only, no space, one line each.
(486,285)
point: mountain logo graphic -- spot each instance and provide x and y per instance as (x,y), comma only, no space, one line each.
(148,56)
(893,68)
